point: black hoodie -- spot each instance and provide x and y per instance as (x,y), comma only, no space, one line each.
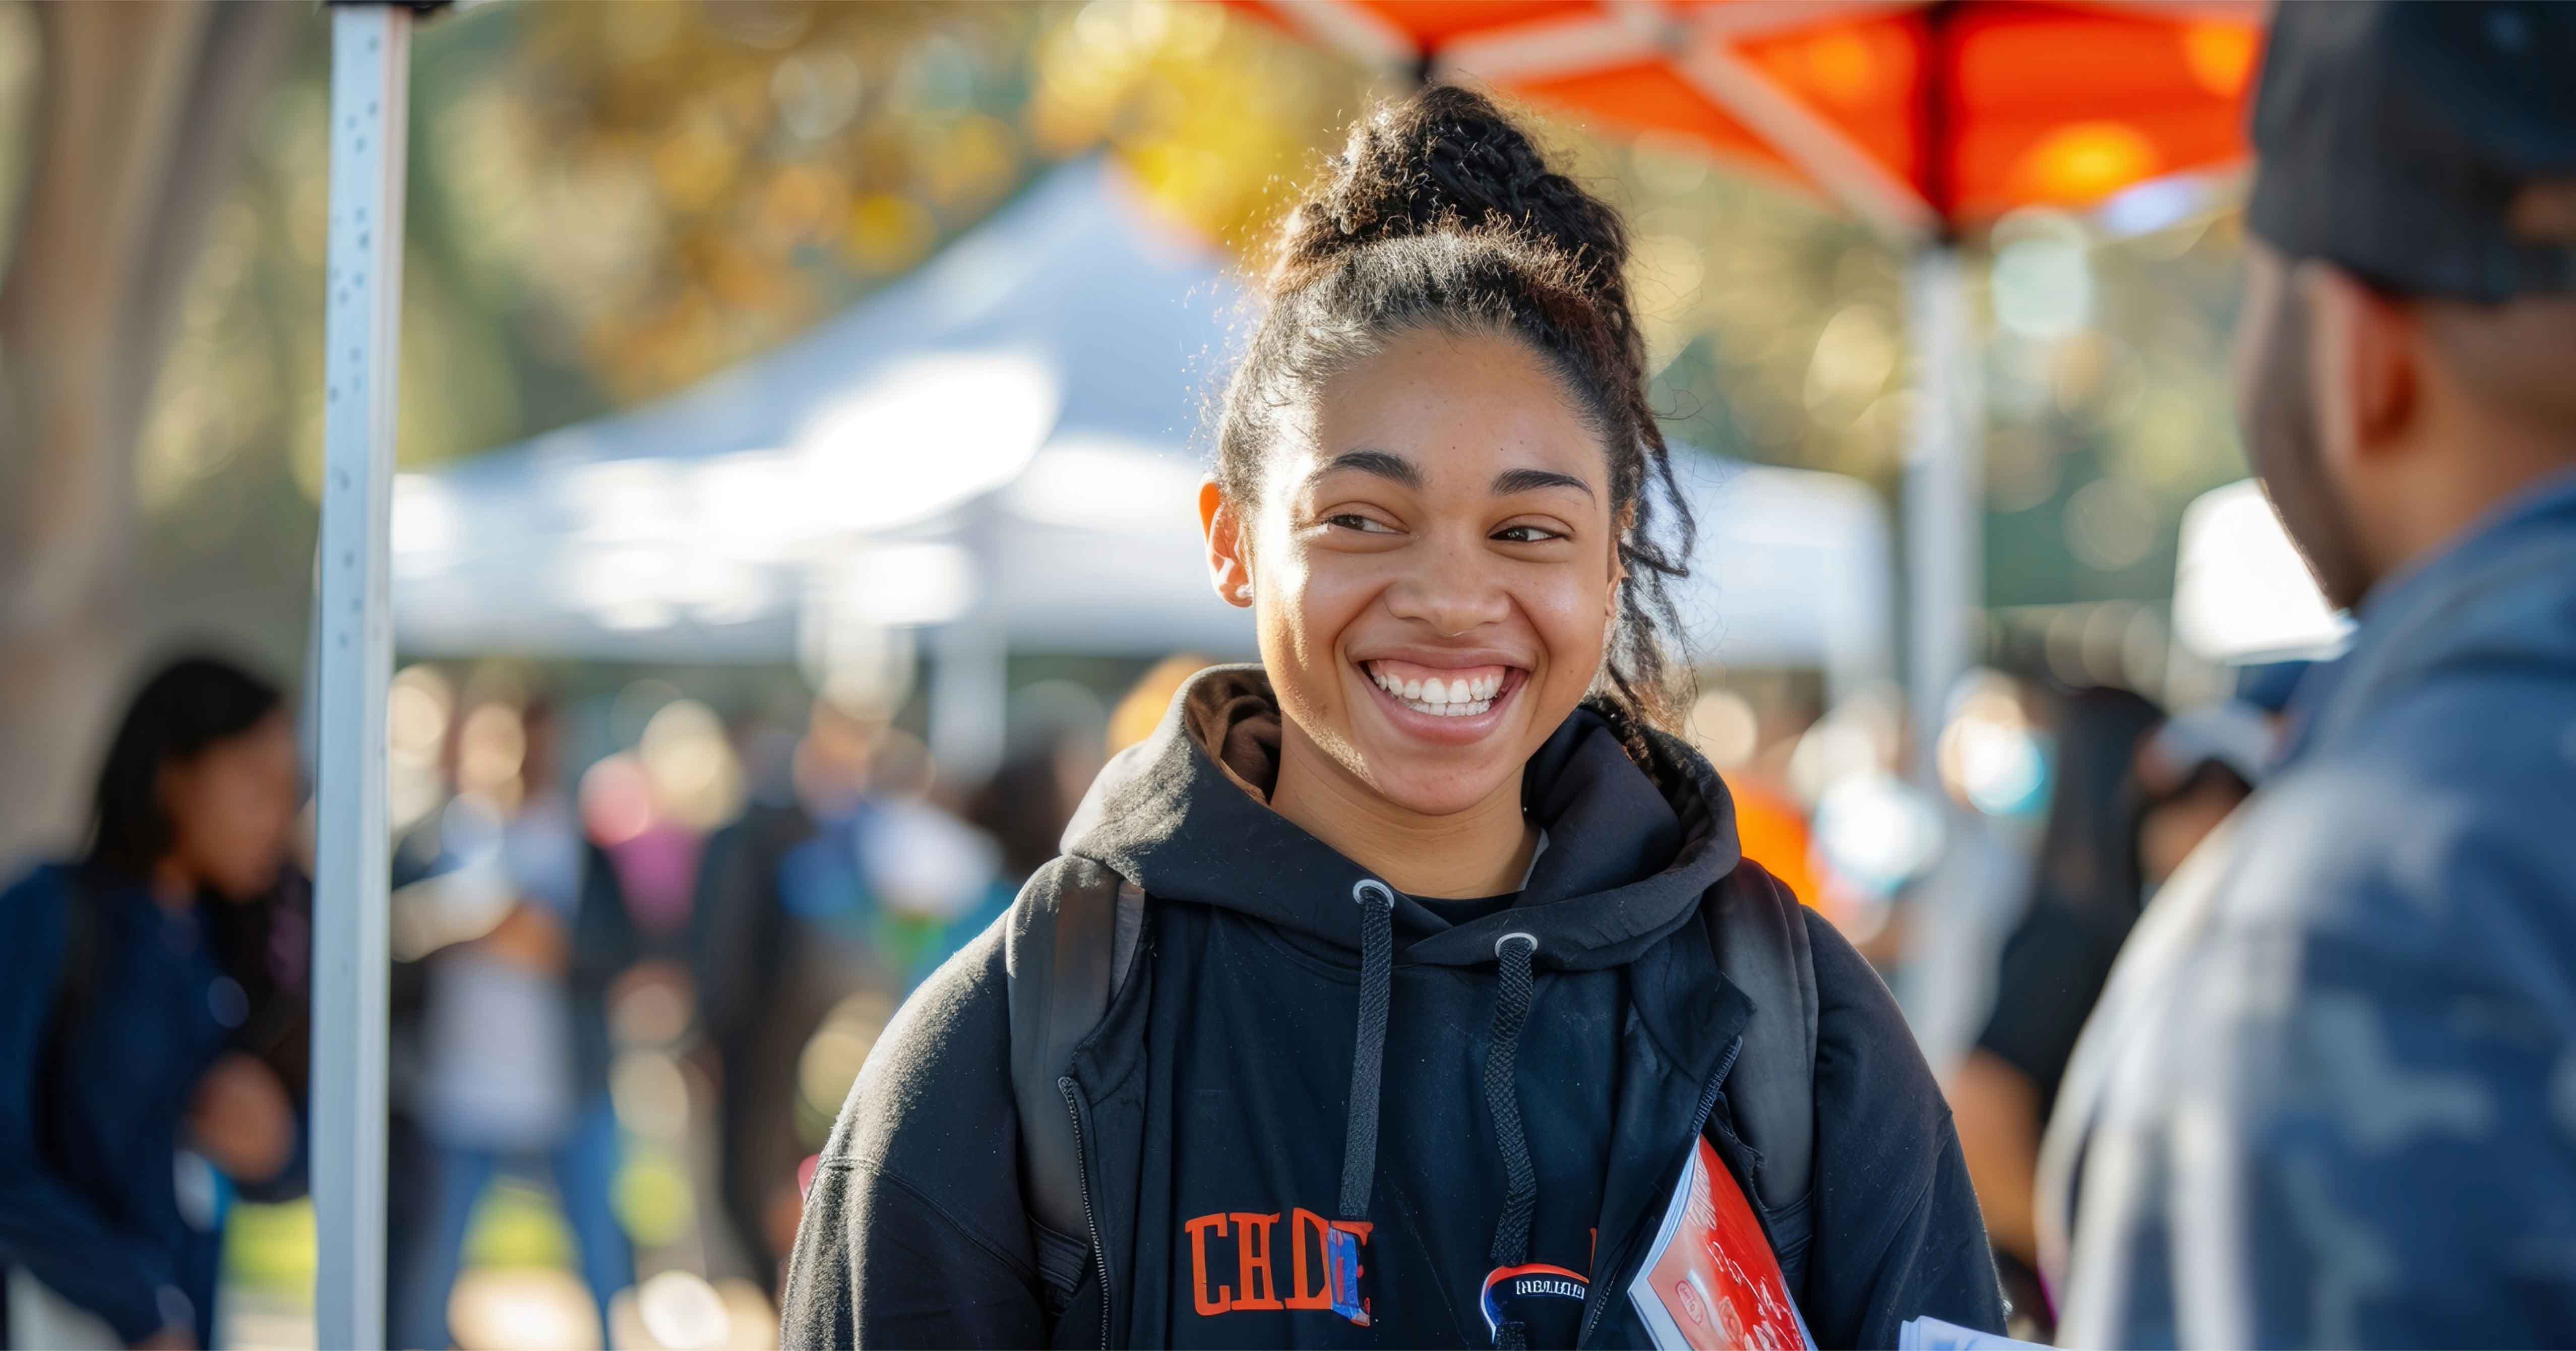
(1537,1106)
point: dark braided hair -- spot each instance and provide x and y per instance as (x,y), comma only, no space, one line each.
(1441,213)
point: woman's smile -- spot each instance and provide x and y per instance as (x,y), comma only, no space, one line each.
(1452,701)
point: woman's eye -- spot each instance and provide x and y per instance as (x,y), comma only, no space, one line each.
(1527,534)
(1351,520)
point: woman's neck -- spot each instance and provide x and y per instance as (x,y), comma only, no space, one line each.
(1484,850)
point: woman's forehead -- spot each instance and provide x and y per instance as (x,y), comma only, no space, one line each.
(1437,407)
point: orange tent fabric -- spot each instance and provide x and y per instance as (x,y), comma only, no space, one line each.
(1924,117)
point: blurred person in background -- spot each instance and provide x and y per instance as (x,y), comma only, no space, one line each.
(417,856)
(153,1020)
(1413,892)
(1052,752)
(747,975)
(1996,774)
(842,884)
(1770,825)
(2329,1097)
(2128,832)
(2083,895)
(928,873)
(2193,774)
(514,1037)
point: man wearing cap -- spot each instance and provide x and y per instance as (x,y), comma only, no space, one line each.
(2329,1097)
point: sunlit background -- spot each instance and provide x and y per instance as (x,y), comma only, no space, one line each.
(678,273)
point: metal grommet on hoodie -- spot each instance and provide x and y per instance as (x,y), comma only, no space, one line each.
(1360,891)
(1516,933)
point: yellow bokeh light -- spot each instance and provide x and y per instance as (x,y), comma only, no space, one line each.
(888,232)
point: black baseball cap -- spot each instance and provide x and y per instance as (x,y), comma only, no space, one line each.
(2428,146)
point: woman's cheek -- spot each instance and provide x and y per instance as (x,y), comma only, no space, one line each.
(1322,594)
(1569,615)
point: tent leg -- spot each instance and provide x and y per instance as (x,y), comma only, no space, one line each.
(370,91)
(969,695)
(1944,498)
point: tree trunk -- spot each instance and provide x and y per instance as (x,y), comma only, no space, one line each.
(139,114)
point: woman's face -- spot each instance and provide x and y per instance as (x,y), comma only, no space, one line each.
(231,809)
(1433,571)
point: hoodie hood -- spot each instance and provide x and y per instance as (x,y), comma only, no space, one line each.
(1632,847)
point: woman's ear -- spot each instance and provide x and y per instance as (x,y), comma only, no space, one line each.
(1621,529)
(1229,566)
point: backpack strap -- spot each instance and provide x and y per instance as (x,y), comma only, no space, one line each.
(1073,935)
(1761,939)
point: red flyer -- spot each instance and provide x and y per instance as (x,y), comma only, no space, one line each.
(1711,1283)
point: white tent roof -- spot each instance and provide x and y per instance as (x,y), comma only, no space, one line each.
(1063,349)
(1015,421)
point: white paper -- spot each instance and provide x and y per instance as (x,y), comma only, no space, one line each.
(1931,1334)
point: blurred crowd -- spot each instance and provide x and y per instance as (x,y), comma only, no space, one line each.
(642,948)
(640,953)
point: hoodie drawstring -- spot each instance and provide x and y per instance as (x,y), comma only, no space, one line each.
(1368,1055)
(1512,952)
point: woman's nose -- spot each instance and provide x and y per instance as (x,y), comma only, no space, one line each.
(1452,588)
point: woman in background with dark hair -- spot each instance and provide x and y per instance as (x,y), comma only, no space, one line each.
(151,1019)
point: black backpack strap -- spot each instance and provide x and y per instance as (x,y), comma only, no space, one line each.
(1761,939)
(1073,934)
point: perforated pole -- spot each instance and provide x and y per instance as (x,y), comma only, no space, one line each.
(370,90)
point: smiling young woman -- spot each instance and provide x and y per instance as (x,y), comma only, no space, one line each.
(1443,985)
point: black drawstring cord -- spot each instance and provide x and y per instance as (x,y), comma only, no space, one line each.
(1512,952)
(1368,1055)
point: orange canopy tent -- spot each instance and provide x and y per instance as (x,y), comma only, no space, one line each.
(1924,119)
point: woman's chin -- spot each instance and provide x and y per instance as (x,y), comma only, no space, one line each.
(1426,790)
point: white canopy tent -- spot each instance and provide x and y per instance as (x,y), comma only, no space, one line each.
(1040,381)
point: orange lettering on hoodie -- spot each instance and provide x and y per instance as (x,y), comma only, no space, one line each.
(1198,1230)
(1252,1257)
(1300,1294)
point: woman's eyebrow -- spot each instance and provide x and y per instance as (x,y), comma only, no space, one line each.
(1384,464)
(1512,481)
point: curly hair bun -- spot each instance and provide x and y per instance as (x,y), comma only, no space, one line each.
(1449,159)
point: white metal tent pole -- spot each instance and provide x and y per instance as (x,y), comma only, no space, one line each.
(370,91)
(970,662)
(1944,494)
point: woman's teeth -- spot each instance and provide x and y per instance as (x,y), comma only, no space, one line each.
(1461,698)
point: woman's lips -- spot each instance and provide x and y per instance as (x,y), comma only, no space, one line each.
(1471,699)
